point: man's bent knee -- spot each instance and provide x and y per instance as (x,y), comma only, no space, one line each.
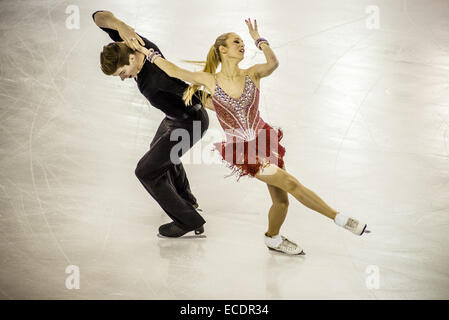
(146,173)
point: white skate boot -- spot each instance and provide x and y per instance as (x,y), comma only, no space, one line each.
(351,224)
(282,244)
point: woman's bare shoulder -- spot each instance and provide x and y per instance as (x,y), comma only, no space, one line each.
(208,81)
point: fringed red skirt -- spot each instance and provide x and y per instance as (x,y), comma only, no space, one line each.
(248,157)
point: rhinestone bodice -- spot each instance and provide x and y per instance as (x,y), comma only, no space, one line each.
(240,117)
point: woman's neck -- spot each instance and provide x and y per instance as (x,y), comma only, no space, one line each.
(230,69)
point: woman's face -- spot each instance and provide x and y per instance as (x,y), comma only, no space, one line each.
(235,47)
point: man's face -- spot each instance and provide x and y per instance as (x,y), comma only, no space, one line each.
(128,71)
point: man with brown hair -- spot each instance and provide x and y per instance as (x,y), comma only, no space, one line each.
(162,175)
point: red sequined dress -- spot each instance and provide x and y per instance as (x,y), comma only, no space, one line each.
(250,144)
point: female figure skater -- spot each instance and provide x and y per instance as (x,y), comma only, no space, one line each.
(238,114)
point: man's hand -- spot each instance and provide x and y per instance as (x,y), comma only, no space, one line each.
(146,51)
(130,37)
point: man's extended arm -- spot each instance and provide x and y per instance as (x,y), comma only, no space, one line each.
(106,19)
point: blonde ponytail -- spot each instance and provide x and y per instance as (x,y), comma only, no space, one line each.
(210,65)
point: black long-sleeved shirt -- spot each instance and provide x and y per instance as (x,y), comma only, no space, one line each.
(162,91)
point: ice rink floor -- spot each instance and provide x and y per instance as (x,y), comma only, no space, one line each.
(361,94)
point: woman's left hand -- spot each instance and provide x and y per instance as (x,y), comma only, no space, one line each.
(149,52)
(254,33)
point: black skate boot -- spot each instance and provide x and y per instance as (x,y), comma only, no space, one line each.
(172,230)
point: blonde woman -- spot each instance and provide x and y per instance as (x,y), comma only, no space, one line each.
(238,114)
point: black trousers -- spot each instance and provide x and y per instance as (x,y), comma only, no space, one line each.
(165,180)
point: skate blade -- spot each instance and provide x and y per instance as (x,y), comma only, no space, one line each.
(302,253)
(186,236)
(365,230)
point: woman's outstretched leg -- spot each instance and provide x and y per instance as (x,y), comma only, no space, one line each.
(280,178)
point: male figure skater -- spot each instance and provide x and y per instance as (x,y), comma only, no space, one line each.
(162,177)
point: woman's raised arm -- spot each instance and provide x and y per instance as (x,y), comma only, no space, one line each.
(195,77)
(264,69)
